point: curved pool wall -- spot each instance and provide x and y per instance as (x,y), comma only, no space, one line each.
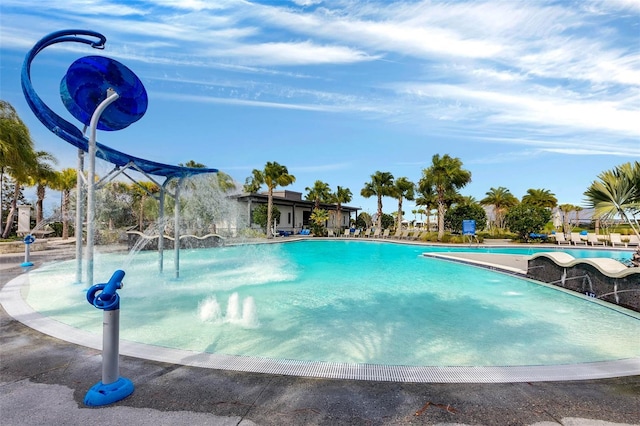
(367,369)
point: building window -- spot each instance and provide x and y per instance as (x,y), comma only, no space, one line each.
(289,218)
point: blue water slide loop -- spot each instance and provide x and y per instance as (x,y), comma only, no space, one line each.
(69,132)
(108,298)
(29,239)
(46,115)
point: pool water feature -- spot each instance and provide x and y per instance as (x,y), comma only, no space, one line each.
(344,301)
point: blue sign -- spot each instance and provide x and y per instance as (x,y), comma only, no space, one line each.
(468,227)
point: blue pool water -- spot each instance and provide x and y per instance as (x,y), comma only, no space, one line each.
(622,255)
(344,301)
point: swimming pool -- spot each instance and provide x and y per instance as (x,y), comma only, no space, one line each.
(343,302)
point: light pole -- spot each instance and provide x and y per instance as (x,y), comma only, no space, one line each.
(112,96)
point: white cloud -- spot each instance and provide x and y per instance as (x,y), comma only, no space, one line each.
(303,53)
(544,111)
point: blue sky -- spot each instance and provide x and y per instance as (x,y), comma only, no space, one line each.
(528,94)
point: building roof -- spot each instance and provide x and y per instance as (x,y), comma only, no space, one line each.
(288,198)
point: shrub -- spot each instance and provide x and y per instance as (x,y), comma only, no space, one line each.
(524,219)
(454,216)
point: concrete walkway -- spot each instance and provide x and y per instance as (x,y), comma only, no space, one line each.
(43,381)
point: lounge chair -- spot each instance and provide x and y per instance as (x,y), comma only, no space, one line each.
(347,233)
(614,238)
(417,235)
(592,238)
(576,239)
(386,232)
(634,241)
(376,233)
(367,233)
(398,233)
(330,233)
(560,239)
(405,234)
(356,234)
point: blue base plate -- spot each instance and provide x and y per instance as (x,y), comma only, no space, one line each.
(101,394)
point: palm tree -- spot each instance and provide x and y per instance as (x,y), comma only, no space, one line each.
(501,200)
(428,200)
(140,192)
(617,193)
(540,198)
(17,155)
(42,176)
(318,193)
(445,176)
(566,209)
(319,217)
(273,175)
(65,181)
(577,209)
(225,182)
(381,185)
(342,195)
(192,164)
(20,175)
(403,188)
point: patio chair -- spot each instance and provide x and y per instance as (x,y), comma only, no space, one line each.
(330,233)
(367,233)
(614,238)
(560,239)
(592,238)
(386,232)
(398,233)
(376,233)
(634,241)
(576,239)
(347,233)
(356,234)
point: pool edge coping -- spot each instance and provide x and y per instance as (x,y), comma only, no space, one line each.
(17,308)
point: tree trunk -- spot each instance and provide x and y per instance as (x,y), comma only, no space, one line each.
(399,212)
(269,216)
(379,221)
(12,211)
(39,204)
(441,208)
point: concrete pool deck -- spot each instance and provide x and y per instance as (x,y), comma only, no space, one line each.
(44,380)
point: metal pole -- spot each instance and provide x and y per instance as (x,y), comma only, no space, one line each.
(161,225)
(112,96)
(110,346)
(176,233)
(78,227)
